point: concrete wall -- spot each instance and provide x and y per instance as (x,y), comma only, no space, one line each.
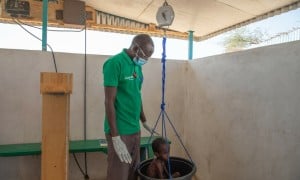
(242,112)
(238,113)
(20,106)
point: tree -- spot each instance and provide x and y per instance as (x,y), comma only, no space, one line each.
(242,38)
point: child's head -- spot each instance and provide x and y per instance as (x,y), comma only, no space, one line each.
(160,148)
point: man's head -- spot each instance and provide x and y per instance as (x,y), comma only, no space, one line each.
(141,48)
(161,148)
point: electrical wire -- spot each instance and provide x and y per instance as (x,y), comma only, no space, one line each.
(78,163)
(53,56)
(20,23)
(85,107)
(55,30)
(84,173)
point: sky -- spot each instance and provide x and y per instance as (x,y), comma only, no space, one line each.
(272,26)
(14,37)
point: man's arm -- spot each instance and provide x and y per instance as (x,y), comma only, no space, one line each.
(142,115)
(119,145)
(110,96)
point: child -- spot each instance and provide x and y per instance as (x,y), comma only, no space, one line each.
(157,168)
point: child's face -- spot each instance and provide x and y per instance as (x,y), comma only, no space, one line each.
(163,152)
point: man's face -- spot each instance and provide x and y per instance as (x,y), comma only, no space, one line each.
(145,52)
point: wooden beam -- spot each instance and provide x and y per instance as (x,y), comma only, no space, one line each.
(35,19)
(107,28)
(56,89)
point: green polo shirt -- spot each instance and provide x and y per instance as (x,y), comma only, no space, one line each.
(120,71)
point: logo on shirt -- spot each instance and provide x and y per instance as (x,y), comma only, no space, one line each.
(130,78)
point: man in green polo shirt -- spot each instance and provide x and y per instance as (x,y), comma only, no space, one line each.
(123,80)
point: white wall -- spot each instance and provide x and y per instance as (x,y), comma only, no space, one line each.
(243,114)
(20,106)
(237,113)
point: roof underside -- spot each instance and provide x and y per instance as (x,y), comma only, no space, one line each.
(206,18)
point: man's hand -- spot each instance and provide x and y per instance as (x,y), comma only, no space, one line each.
(121,149)
(145,125)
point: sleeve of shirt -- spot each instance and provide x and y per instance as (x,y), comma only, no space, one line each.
(111,73)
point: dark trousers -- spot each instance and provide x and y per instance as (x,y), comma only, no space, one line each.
(116,170)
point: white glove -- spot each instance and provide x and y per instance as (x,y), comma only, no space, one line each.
(121,149)
(145,125)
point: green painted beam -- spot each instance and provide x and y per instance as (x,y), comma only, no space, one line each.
(191,39)
(45,25)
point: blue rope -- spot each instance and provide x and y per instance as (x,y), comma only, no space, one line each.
(162,106)
(163,113)
(186,151)
(163,61)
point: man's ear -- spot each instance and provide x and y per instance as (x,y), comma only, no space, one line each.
(156,154)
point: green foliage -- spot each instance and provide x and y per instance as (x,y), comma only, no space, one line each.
(242,38)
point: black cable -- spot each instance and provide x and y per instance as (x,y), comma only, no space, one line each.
(75,158)
(85,114)
(86,176)
(20,23)
(85,82)
(53,56)
(56,30)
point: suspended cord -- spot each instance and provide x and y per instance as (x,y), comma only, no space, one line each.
(85,57)
(162,106)
(163,112)
(163,60)
(52,52)
(186,151)
(85,173)
(85,110)
(152,133)
(164,129)
(163,95)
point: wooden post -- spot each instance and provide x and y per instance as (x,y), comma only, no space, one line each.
(55,89)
